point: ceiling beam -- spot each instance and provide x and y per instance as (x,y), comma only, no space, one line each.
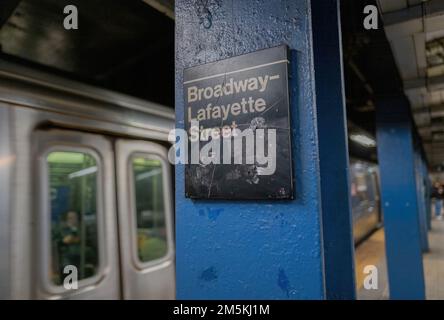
(430,84)
(7,7)
(429,8)
(436,111)
(409,21)
(164,6)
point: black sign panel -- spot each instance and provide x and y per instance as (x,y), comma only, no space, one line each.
(238,126)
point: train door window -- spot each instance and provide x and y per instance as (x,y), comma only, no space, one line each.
(73,180)
(144,194)
(149,205)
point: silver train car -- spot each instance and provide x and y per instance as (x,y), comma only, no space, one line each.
(86,192)
(365,199)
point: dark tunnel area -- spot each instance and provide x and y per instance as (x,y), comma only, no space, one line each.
(123,45)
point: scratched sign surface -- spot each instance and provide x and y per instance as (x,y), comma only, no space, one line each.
(238,126)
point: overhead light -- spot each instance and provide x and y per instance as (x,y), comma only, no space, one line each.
(435,57)
(148,174)
(83,172)
(363,140)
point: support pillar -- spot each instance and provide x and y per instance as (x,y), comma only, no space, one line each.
(267,249)
(396,157)
(333,149)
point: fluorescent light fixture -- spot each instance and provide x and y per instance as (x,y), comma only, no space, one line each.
(363,140)
(148,174)
(82,172)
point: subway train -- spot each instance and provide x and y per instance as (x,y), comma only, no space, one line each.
(85,181)
(365,198)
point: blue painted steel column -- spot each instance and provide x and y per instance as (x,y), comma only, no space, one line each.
(399,199)
(333,150)
(246,249)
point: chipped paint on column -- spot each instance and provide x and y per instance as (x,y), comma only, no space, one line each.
(246,249)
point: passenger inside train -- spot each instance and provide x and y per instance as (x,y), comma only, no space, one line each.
(72,187)
(151,229)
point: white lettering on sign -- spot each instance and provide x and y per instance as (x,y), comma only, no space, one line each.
(232,87)
(260,147)
(229,88)
(245,106)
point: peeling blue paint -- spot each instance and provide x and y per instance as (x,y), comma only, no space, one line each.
(283,282)
(205,10)
(212,214)
(209,274)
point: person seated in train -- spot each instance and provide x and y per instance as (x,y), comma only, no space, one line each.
(68,239)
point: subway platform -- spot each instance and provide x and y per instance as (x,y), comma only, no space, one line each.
(221,150)
(434,262)
(372,252)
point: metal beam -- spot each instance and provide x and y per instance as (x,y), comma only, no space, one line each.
(415,19)
(334,163)
(427,9)
(399,199)
(164,6)
(434,111)
(7,7)
(435,127)
(431,83)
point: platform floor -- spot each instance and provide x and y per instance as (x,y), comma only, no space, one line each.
(434,262)
(372,252)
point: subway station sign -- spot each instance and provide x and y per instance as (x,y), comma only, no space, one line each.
(238,126)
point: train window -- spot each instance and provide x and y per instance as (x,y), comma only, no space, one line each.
(363,185)
(150,209)
(73,214)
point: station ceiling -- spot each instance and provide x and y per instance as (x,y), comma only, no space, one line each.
(128,46)
(370,71)
(415,30)
(122,45)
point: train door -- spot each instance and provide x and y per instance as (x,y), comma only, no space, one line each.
(145,210)
(77,229)
(126,253)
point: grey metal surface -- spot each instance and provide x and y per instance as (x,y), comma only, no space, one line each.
(22,86)
(28,102)
(156,279)
(6,164)
(105,284)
